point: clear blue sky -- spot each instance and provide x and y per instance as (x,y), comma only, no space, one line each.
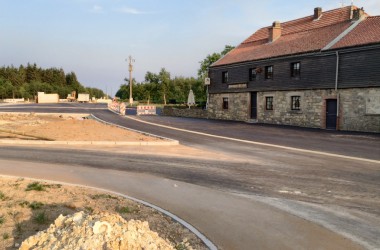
(94,37)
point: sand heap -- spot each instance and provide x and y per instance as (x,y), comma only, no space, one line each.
(96,231)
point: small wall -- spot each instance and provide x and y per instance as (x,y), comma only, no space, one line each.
(47,98)
(180,112)
(103,101)
(13,100)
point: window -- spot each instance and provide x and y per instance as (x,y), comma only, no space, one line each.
(269,72)
(252,74)
(224,76)
(296,103)
(269,103)
(225,102)
(295,69)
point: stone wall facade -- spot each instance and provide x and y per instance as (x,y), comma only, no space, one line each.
(359,108)
(238,106)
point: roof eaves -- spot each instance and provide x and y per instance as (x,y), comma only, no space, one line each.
(223,56)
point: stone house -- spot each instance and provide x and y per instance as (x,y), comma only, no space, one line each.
(319,71)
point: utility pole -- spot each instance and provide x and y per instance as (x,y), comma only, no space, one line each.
(131,60)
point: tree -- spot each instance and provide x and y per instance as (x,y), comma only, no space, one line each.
(6,89)
(164,81)
(210,59)
(32,73)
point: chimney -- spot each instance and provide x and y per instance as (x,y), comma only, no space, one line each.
(275,31)
(357,14)
(317,13)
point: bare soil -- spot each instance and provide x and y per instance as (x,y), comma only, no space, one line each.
(24,213)
(62,127)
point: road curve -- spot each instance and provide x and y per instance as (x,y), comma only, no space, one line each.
(232,222)
(289,177)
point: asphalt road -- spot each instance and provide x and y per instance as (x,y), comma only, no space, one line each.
(322,184)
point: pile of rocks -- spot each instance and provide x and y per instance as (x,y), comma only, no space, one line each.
(96,231)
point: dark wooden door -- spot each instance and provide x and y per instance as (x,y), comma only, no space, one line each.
(331,110)
(253,105)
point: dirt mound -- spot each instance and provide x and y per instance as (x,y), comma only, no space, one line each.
(96,231)
(64,127)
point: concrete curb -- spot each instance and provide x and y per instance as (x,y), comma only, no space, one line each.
(134,130)
(202,237)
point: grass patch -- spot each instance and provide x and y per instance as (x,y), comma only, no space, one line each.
(2,219)
(24,203)
(124,210)
(89,209)
(181,246)
(53,185)
(103,196)
(40,218)
(18,228)
(5,236)
(36,205)
(36,186)
(2,196)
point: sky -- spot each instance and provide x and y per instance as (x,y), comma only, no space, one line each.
(94,38)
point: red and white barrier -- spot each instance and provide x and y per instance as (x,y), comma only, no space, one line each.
(117,107)
(146,110)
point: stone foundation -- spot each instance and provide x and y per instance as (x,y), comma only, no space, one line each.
(359,108)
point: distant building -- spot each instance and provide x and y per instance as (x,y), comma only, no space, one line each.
(320,71)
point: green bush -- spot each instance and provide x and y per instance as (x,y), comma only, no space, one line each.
(40,218)
(36,205)
(36,186)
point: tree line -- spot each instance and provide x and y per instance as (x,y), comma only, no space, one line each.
(26,81)
(162,88)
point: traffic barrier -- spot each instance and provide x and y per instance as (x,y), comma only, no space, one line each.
(146,110)
(117,107)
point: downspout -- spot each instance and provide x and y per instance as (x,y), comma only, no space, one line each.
(336,89)
(337,71)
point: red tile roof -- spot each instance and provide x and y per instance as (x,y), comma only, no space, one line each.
(301,36)
(367,32)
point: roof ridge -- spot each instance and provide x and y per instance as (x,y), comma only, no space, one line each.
(300,24)
(323,12)
(299,31)
(317,28)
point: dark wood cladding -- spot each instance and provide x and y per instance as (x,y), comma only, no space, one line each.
(357,68)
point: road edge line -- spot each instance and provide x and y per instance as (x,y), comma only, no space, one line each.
(260,143)
(175,142)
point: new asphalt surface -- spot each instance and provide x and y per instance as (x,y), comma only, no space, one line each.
(329,178)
